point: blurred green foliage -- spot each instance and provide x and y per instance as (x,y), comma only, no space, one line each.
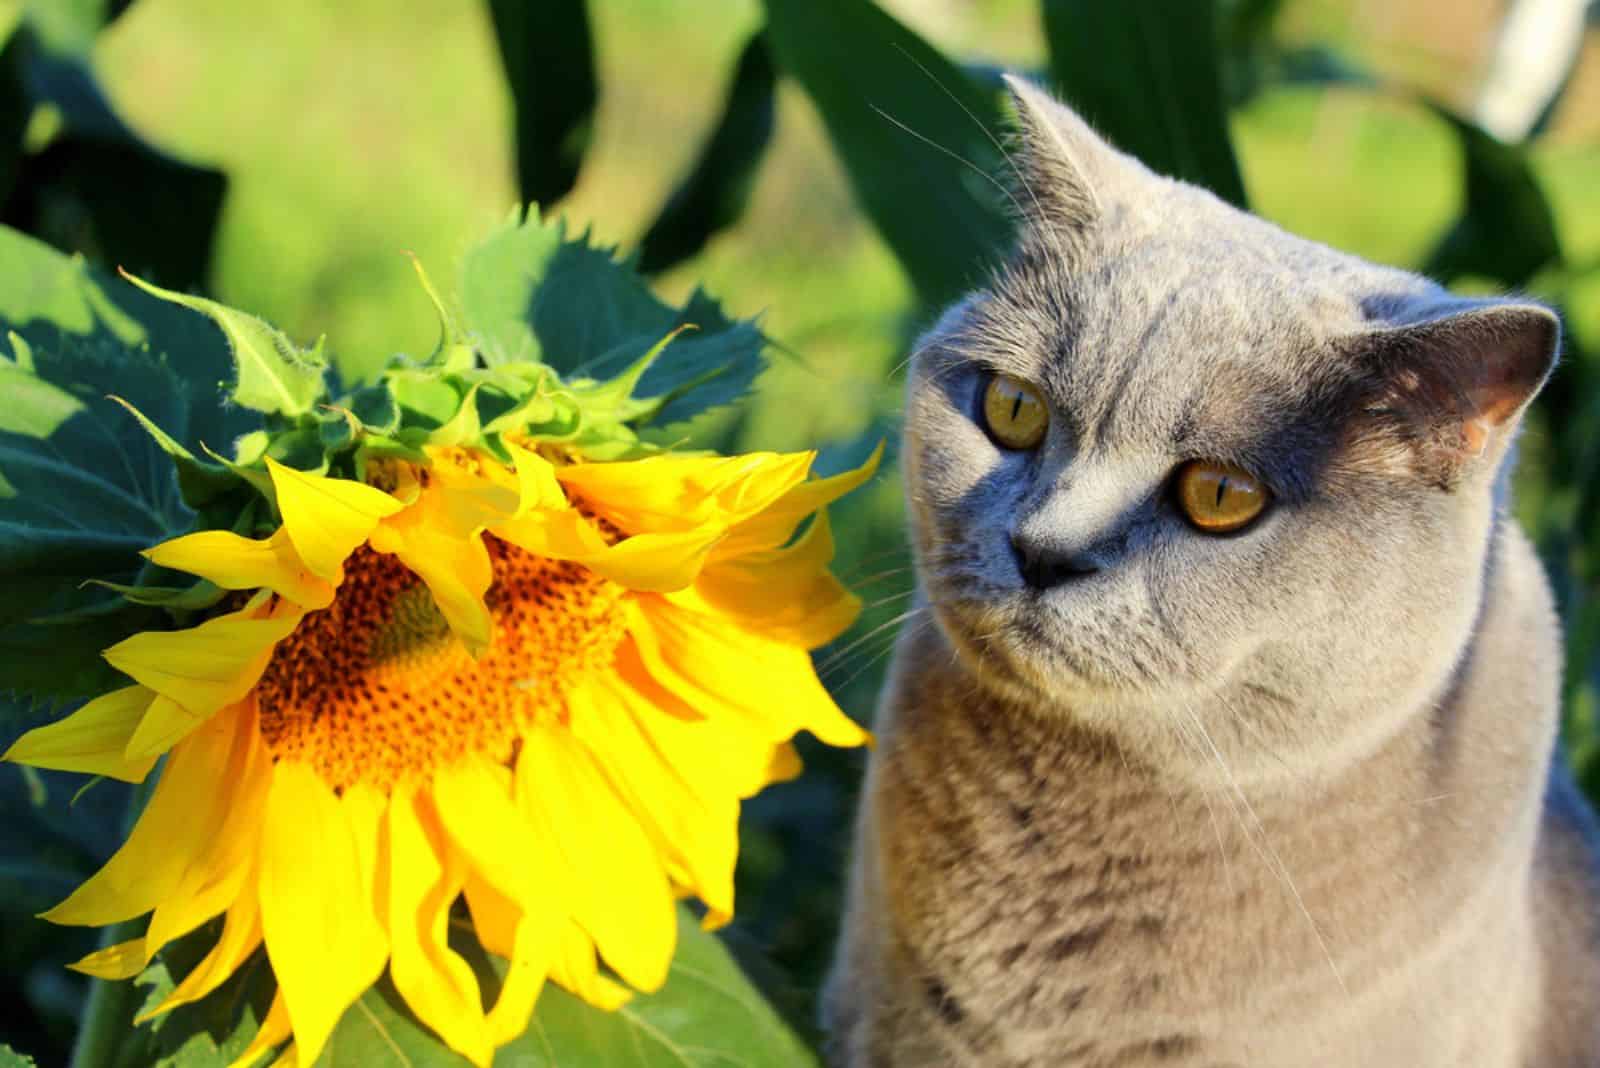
(830,163)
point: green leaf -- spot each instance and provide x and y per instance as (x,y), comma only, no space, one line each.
(274,375)
(706,1016)
(714,194)
(1506,231)
(917,136)
(1147,74)
(10,1058)
(529,294)
(549,62)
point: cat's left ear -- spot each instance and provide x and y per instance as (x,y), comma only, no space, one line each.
(1460,379)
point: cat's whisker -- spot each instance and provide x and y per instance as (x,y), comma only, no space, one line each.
(874,579)
(958,157)
(1022,178)
(1186,740)
(837,658)
(881,654)
(1264,848)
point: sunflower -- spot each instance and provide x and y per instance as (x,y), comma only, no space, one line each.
(514,676)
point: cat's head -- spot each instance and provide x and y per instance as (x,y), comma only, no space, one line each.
(1176,469)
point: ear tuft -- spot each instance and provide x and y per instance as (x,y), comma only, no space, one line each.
(1053,162)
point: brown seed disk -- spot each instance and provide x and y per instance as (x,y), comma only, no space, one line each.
(374,686)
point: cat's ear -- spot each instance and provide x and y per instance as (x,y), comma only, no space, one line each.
(1459,380)
(1058,159)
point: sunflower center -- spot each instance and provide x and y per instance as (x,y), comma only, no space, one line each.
(374,686)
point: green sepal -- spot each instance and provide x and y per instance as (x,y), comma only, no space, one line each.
(199,482)
(272,374)
(424,399)
(462,428)
(200,596)
(258,479)
(376,408)
(454,351)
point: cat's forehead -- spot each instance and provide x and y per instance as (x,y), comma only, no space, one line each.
(1188,331)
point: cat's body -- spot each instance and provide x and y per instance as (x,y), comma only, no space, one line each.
(1276,799)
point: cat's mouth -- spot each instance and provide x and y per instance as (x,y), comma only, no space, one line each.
(1024,646)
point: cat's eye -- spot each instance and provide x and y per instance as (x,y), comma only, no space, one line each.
(1014,412)
(1219,498)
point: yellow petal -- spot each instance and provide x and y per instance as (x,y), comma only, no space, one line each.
(325,947)
(440,539)
(91,740)
(208,666)
(656,562)
(174,830)
(528,940)
(716,754)
(121,961)
(476,809)
(776,524)
(785,594)
(576,970)
(697,831)
(273,1031)
(239,563)
(679,493)
(164,724)
(625,905)
(214,878)
(716,666)
(425,875)
(365,808)
(241,934)
(537,486)
(327,517)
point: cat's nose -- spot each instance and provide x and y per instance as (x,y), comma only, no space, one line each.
(1045,567)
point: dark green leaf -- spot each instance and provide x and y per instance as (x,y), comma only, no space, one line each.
(528,293)
(917,137)
(1147,74)
(1506,231)
(88,487)
(549,61)
(714,194)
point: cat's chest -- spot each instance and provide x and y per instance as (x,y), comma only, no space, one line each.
(1047,924)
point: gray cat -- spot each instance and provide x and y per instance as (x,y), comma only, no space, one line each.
(1228,738)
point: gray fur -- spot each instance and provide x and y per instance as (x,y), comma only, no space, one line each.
(1277,798)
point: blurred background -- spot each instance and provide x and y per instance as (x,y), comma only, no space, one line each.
(826,173)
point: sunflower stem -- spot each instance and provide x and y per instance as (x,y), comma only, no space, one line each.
(106,1028)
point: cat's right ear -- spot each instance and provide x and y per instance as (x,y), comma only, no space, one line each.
(1057,160)
(1053,170)
(1456,381)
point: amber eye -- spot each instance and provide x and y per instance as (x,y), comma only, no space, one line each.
(1015,412)
(1219,498)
